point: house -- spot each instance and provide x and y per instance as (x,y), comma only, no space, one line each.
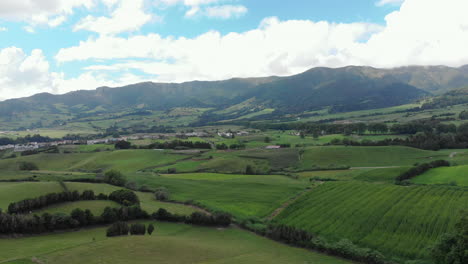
(273,147)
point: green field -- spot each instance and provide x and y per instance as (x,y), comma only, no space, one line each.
(170,243)
(395,220)
(330,156)
(256,195)
(96,207)
(13,192)
(147,200)
(456,175)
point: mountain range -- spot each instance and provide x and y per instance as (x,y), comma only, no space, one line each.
(341,89)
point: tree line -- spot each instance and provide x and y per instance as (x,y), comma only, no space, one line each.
(124,197)
(196,218)
(420,169)
(178,144)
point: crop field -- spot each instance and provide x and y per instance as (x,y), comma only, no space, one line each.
(392,219)
(123,160)
(256,195)
(331,156)
(456,175)
(170,243)
(16,191)
(96,207)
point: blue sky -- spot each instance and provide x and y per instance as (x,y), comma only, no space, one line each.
(63,45)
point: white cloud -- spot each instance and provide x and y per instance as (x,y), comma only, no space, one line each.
(22,74)
(422,32)
(226,11)
(128,16)
(3,29)
(208,8)
(276,47)
(389,2)
(40,12)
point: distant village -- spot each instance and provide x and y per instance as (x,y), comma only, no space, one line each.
(38,145)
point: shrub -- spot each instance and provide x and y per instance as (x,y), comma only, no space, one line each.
(137,229)
(123,145)
(28,166)
(162,194)
(115,178)
(124,197)
(150,229)
(118,229)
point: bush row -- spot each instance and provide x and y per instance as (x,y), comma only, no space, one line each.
(420,169)
(124,197)
(196,218)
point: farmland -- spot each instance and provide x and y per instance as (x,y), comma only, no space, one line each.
(171,243)
(393,219)
(456,175)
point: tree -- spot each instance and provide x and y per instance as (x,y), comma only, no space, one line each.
(115,178)
(124,197)
(453,248)
(123,145)
(137,229)
(162,194)
(267,140)
(118,229)
(150,229)
(28,166)
(249,170)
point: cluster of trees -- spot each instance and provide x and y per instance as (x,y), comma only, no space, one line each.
(453,248)
(162,194)
(24,140)
(223,146)
(179,144)
(464,115)
(123,197)
(420,169)
(196,218)
(28,166)
(28,205)
(114,177)
(27,224)
(122,229)
(122,144)
(426,126)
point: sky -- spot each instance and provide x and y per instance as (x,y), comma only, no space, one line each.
(58,46)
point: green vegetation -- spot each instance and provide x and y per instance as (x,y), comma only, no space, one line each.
(170,243)
(392,219)
(96,207)
(456,175)
(17,191)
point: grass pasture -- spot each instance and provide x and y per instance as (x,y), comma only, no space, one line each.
(170,243)
(96,207)
(456,175)
(147,200)
(329,156)
(395,220)
(16,191)
(255,195)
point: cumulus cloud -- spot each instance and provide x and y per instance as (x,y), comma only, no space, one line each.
(208,8)
(126,17)
(274,48)
(3,29)
(422,32)
(40,12)
(226,11)
(20,73)
(23,74)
